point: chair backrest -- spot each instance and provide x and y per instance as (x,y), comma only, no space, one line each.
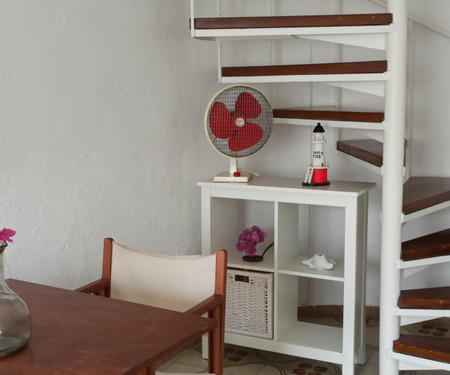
(172,282)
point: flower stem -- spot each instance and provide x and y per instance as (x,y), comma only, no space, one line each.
(267,248)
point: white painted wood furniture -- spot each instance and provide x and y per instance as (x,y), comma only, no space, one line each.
(224,208)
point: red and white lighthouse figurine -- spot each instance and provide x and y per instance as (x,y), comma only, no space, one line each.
(317,172)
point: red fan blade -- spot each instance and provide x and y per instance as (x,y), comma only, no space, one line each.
(247,136)
(220,121)
(247,105)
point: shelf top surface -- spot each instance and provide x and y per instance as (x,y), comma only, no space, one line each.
(289,184)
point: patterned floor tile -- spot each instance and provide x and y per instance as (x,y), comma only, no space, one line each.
(248,361)
(272,370)
(248,369)
(181,368)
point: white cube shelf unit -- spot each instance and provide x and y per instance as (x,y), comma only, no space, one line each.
(282,204)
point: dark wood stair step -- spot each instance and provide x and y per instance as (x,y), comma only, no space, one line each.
(423,192)
(430,347)
(369,150)
(428,298)
(331,113)
(431,245)
(306,69)
(374,19)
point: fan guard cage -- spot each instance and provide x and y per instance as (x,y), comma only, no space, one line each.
(229,96)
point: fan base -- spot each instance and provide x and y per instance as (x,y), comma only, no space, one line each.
(225,176)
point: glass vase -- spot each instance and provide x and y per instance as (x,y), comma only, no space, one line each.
(15,322)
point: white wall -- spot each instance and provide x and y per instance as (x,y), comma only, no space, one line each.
(101,113)
(101,130)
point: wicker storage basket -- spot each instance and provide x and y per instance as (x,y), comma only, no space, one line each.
(249,308)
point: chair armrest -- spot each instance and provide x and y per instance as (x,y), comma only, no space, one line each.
(98,287)
(207,305)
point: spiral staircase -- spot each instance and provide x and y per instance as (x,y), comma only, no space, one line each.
(402,201)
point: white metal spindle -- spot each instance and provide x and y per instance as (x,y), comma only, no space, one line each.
(192,16)
(409,98)
(219,44)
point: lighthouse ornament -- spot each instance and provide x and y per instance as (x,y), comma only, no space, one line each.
(316,174)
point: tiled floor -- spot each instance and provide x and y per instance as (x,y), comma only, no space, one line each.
(248,361)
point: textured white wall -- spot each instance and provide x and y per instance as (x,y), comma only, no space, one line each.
(101,113)
(101,130)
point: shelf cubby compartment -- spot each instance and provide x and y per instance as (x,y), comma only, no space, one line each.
(306,338)
(301,339)
(297,268)
(229,217)
(326,341)
(292,229)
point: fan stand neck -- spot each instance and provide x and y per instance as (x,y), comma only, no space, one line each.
(233,166)
(233,175)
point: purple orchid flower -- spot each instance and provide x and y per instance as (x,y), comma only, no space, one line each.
(249,238)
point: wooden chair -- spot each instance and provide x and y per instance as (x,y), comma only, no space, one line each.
(194,284)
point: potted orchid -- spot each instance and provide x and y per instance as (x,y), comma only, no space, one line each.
(247,243)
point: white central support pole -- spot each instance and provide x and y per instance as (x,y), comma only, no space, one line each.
(393,155)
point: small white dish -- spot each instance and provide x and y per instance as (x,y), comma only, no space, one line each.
(319,262)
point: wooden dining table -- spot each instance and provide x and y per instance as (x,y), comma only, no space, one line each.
(76,333)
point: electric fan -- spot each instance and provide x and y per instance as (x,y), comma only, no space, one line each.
(238,122)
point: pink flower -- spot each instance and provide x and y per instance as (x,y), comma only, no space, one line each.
(247,247)
(258,233)
(249,238)
(5,235)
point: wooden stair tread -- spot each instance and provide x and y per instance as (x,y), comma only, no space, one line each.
(306,69)
(329,113)
(369,150)
(423,192)
(431,245)
(427,298)
(374,19)
(434,348)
